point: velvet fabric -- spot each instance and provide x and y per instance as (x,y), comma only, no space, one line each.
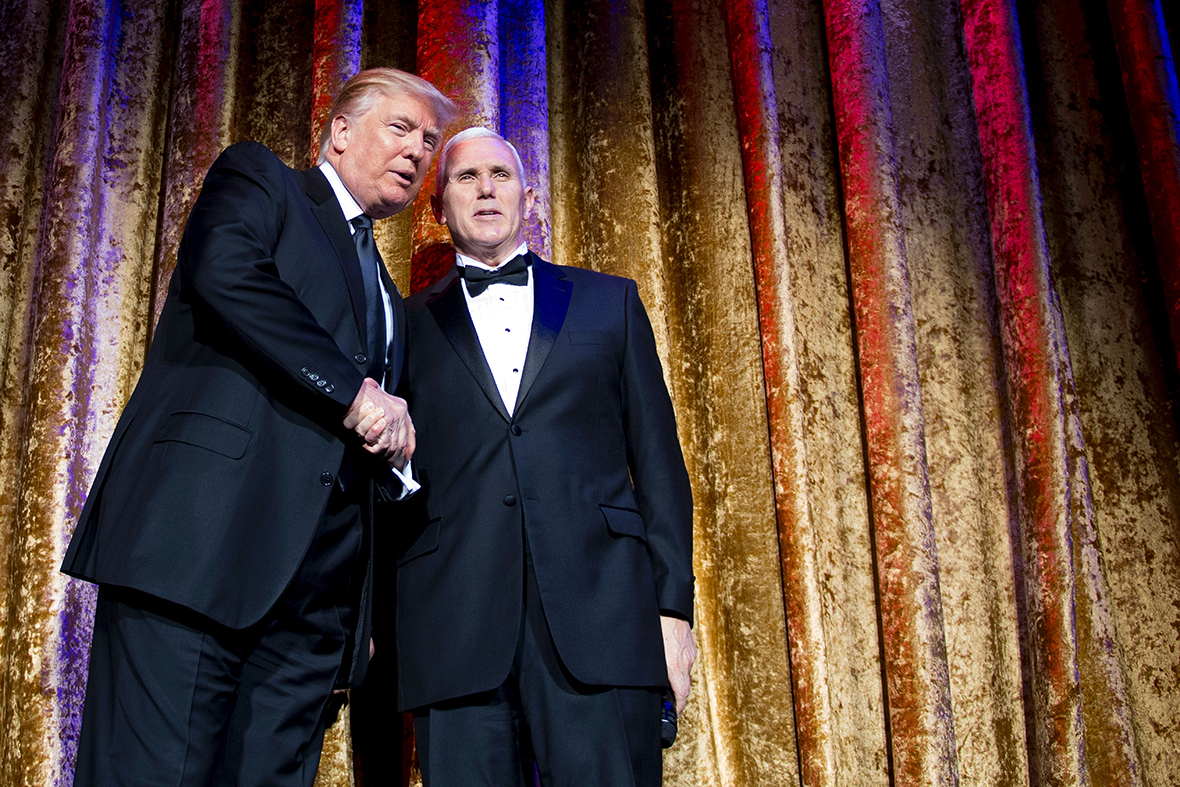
(912,269)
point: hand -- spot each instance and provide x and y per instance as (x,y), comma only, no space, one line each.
(383,422)
(680,652)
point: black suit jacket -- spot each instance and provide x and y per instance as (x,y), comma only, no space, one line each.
(222,462)
(589,462)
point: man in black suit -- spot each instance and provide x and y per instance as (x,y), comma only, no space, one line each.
(227,526)
(545,598)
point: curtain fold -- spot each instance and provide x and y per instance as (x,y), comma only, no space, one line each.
(1149,78)
(741,725)
(911,268)
(919,715)
(756,103)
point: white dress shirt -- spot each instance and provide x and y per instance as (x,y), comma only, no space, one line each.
(351,210)
(503,319)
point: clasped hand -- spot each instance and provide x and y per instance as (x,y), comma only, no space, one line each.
(382,420)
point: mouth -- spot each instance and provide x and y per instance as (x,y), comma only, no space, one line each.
(405,178)
(483,214)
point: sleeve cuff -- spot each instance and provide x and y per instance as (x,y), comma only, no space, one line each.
(406,476)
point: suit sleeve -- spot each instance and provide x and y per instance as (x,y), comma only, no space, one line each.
(227,260)
(657,465)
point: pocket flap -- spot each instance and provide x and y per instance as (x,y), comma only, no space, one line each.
(427,541)
(205,431)
(624,521)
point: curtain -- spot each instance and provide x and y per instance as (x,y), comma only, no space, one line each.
(914,272)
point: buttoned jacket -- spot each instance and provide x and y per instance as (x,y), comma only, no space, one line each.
(587,470)
(223,459)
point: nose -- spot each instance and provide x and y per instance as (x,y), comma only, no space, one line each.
(415,148)
(486,186)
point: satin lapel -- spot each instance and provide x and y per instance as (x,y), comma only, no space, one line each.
(327,212)
(551,301)
(449,309)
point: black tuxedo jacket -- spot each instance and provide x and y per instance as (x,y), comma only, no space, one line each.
(589,462)
(222,462)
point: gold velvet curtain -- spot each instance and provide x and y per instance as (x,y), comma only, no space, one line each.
(912,267)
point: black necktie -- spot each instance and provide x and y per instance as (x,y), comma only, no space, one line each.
(515,271)
(366,250)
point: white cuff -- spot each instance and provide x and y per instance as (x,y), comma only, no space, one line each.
(406,476)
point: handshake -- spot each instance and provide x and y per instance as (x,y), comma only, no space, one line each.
(382,420)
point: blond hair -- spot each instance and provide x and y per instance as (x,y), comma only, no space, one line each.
(362,91)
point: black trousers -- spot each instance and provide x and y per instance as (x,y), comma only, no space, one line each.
(577,734)
(174,698)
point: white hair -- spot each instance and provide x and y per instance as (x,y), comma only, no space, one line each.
(475,132)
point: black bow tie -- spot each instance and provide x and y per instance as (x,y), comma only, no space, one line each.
(515,271)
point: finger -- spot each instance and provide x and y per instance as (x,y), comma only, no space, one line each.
(365,426)
(372,436)
(377,423)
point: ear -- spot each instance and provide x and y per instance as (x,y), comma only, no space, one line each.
(436,206)
(530,197)
(340,132)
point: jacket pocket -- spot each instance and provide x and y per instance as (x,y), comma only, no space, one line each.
(624,521)
(426,543)
(205,431)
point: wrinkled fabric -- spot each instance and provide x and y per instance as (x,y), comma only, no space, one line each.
(910,267)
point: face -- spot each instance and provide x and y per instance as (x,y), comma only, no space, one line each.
(484,201)
(383,155)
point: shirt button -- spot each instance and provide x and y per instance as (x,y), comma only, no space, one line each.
(509,500)
(516,430)
(326,479)
(360,358)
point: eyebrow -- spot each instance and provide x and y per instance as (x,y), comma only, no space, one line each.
(428,131)
(471,169)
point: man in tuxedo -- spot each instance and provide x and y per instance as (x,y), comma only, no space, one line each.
(228,523)
(545,598)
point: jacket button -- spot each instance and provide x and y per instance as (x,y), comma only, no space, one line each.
(360,358)
(329,388)
(326,479)
(509,500)
(305,371)
(515,430)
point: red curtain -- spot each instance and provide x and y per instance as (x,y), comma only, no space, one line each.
(913,271)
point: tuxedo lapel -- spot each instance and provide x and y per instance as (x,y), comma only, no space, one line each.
(551,301)
(327,211)
(449,309)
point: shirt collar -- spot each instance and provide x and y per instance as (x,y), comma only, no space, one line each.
(347,203)
(462,259)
